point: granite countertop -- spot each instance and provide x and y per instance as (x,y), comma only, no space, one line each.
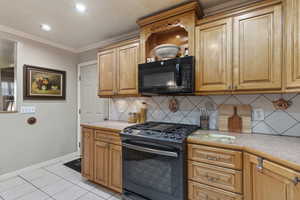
(284,149)
(114,125)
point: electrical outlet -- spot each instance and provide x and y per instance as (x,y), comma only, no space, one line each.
(28,109)
(258,115)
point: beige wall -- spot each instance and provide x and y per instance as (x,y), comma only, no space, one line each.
(88,56)
(55,133)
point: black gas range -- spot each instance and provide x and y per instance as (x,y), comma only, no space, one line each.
(154,161)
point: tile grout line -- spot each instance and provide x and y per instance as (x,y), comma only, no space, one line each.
(33,186)
(75,184)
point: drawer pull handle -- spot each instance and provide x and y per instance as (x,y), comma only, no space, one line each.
(207,197)
(212,158)
(212,179)
(296,180)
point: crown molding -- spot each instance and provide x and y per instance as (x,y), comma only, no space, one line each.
(22,34)
(97,45)
(110,41)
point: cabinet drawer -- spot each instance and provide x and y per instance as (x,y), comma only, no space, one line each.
(227,179)
(109,137)
(198,191)
(215,156)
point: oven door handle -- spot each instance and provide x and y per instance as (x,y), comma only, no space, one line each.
(149,150)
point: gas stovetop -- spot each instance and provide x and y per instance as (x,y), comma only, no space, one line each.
(161,131)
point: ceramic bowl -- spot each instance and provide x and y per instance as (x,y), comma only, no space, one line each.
(166,51)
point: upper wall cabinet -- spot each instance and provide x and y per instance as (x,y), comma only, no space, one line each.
(127,57)
(117,69)
(214,53)
(258,49)
(107,72)
(175,26)
(293,45)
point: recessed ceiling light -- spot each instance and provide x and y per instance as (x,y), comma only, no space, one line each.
(80,7)
(45,27)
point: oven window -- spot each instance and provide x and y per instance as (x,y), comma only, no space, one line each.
(150,175)
(159,80)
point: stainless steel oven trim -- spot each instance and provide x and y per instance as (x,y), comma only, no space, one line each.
(149,150)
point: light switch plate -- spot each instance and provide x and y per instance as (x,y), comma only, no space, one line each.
(28,109)
(258,115)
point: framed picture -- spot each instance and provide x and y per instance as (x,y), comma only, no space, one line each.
(44,84)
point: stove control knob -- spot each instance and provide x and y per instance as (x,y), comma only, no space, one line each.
(128,131)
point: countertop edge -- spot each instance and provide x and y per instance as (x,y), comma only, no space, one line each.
(286,163)
(100,128)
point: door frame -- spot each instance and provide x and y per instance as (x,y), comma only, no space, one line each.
(79,66)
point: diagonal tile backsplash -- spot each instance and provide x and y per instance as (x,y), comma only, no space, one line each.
(276,122)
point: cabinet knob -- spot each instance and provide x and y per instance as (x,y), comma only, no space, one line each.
(230,87)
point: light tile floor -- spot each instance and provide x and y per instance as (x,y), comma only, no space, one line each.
(53,182)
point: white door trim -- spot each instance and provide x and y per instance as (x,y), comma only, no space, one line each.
(93,62)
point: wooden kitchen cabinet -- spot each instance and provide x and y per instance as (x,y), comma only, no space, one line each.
(127,69)
(115,167)
(118,68)
(214,56)
(265,180)
(293,45)
(107,72)
(258,49)
(87,140)
(101,162)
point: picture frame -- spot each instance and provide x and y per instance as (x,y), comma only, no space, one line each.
(43,83)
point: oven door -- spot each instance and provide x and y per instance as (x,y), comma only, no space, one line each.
(153,171)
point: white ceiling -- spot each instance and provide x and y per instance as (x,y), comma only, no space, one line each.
(104,19)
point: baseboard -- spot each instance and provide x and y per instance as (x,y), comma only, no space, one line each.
(64,158)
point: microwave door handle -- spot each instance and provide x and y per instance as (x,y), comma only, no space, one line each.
(150,150)
(178,74)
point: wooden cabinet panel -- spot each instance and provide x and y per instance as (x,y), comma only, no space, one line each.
(219,177)
(214,56)
(199,191)
(258,49)
(87,153)
(216,156)
(115,167)
(109,137)
(107,72)
(269,181)
(127,72)
(101,162)
(293,44)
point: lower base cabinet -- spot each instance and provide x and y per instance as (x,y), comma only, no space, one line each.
(265,180)
(102,158)
(101,165)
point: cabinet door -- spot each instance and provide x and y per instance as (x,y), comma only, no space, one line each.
(101,162)
(293,44)
(107,72)
(214,56)
(87,153)
(115,167)
(127,59)
(270,182)
(258,50)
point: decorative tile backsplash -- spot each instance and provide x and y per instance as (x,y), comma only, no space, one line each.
(275,122)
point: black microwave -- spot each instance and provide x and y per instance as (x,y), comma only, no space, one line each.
(174,76)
